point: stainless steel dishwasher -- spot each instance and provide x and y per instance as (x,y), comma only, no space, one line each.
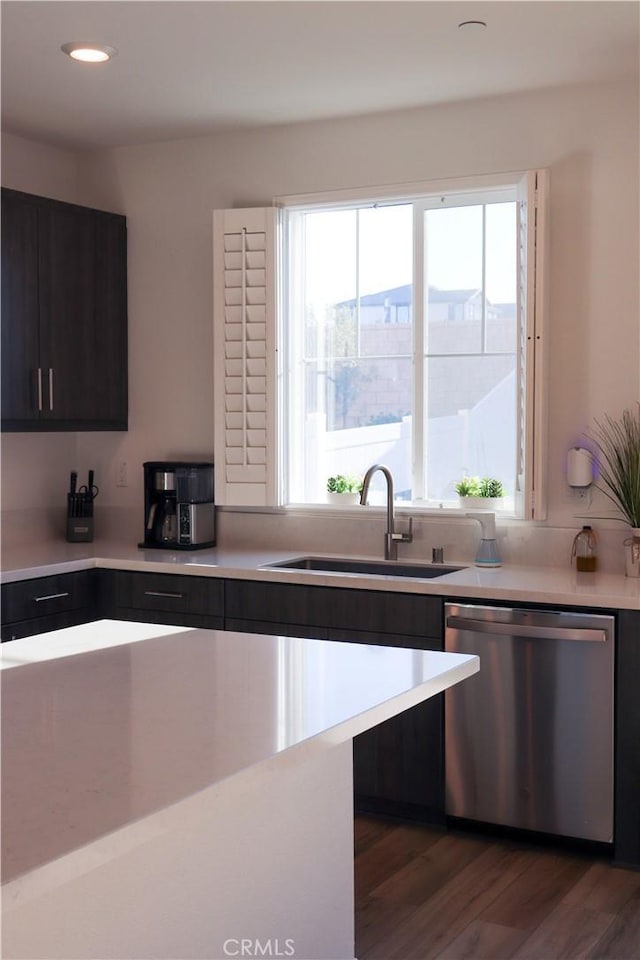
(529,739)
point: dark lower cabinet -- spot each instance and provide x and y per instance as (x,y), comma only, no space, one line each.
(398,765)
(43,604)
(167,598)
(405,615)
(627,742)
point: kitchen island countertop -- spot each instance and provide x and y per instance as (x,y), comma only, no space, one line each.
(155,751)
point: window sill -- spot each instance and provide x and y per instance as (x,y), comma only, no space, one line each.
(400,509)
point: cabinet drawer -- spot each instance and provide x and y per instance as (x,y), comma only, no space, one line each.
(402,614)
(47,596)
(163,593)
(411,615)
(289,603)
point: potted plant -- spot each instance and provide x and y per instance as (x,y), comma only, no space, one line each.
(484,493)
(618,448)
(343,489)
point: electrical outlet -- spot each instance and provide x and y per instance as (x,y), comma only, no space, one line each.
(579,495)
(122,478)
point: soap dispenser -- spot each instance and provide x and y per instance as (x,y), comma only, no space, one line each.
(488,554)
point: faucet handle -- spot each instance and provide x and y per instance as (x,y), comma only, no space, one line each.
(404,537)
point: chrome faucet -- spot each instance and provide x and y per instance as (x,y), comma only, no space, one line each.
(391,538)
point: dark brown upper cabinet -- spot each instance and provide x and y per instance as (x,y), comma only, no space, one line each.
(64,316)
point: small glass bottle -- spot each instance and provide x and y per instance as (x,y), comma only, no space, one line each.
(585,550)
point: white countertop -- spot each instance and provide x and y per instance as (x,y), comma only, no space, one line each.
(107,723)
(546,585)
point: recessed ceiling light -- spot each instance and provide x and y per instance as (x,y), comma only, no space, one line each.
(88,52)
(472,25)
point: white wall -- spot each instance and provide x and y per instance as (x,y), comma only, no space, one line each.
(587,136)
(40,168)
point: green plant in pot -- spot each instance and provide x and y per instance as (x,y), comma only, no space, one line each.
(480,492)
(343,489)
(617,444)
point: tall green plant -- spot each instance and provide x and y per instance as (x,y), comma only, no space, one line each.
(618,445)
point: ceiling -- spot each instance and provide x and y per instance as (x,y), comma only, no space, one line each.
(192,68)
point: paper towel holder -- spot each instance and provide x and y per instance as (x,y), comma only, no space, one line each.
(579,468)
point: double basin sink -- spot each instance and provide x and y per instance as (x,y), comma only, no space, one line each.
(380,568)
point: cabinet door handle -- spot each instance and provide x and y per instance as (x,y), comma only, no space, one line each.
(50,388)
(39,376)
(162,593)
(51,596)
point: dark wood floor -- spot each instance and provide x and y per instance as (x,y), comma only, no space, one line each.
(425,894)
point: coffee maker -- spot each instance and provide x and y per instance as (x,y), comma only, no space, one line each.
(179,512)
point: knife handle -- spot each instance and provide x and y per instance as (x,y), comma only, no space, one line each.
(73,482)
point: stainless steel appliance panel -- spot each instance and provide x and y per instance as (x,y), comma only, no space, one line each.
(529,739)
(196,523)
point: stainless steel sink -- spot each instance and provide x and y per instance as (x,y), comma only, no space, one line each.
(380,568)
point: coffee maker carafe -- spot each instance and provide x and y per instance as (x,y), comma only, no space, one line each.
(161,524)
(179,512)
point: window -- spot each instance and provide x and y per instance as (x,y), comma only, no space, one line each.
(407,330)
(403,343)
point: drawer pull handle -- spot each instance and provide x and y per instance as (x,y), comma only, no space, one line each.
(162,593)
(51,596)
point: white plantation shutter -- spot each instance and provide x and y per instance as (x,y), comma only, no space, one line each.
(532,359)
(244,318)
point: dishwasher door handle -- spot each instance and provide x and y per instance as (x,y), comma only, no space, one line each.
(590,634)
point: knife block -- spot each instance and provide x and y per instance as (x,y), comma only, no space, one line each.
(79,529)
(79,518)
